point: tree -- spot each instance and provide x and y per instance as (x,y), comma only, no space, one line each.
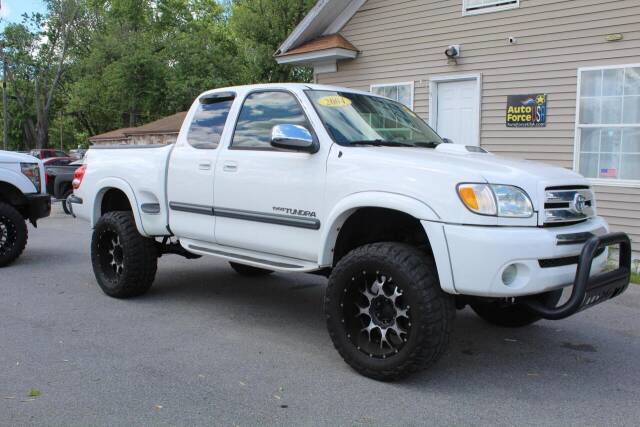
(260,26)
(90,66)
(36,53)
(147,59)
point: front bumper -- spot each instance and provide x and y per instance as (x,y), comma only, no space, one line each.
(38,206)
(589,290)
(478,257)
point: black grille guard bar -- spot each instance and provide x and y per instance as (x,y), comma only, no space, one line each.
(589,291)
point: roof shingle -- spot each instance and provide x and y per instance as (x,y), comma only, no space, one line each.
(332,41)
(166,125)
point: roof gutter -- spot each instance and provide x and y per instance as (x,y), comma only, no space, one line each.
(326,17)
(297,32)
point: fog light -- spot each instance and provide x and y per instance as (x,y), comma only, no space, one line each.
(509,274)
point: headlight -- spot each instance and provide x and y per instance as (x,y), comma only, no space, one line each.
(32,171)
(496,200)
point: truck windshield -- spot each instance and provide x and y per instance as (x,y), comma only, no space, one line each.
(355,119)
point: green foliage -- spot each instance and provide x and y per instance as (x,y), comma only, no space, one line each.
(127,62)
(261,26)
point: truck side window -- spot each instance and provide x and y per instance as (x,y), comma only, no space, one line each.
(260,113)
(208,123)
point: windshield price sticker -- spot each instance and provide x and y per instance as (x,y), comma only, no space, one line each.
(527,110)
(335,101)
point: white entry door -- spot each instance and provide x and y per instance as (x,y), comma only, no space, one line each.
(457,111)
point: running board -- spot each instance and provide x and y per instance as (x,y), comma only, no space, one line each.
(253,258)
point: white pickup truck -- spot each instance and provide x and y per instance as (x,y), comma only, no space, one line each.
(23,197)
(407,226)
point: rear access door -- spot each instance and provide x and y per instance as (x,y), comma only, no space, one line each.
(190,176)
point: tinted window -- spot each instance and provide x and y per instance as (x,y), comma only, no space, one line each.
(260,113)
(208,123)
(61,154)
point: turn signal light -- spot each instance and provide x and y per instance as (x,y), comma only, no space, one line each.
(469,197)
(478,198)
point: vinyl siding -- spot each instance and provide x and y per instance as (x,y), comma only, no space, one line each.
(404,40)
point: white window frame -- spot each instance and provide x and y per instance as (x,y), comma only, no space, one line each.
(488,9)
(433,98)
(578,126)
(411,84)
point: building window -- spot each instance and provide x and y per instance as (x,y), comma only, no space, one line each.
(608,127)
(400,92)
(472,7)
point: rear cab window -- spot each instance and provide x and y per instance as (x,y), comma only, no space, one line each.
(209,120)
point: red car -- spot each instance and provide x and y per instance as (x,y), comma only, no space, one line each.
(46,153)
(58,161)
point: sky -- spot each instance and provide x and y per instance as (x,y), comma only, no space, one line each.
(12,10)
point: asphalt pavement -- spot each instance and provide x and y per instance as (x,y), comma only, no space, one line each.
(207,347)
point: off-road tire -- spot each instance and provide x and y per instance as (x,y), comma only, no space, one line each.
(432,311)
(249,271)
(139,256)
(65,198)
(17,234)
(508,315)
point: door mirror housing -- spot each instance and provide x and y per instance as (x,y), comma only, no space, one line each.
(294,138)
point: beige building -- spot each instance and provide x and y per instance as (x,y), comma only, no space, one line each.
(163,131)
(556,81)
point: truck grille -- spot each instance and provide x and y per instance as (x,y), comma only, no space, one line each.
(568,205)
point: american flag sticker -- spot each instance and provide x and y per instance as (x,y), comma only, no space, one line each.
(608,173)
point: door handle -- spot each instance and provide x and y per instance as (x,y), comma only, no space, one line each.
(204,165)
(230,167)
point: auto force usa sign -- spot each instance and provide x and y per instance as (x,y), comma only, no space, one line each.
(527,111)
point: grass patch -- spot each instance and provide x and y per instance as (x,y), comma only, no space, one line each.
(635,277)
(34,392)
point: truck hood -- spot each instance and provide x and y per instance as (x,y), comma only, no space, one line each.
(13,157)
(501,170)
(432,175)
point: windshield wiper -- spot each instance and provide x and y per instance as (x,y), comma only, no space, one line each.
(426,144)
(380,143)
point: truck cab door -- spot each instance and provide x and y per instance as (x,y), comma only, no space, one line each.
(267,199)
(190,176)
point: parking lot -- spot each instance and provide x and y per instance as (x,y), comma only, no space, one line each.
(208,347)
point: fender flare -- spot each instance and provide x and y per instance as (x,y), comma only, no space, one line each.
(17,180)
(107,184)
(368,199)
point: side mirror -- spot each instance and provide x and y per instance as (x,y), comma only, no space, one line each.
(293,137)
(447,141)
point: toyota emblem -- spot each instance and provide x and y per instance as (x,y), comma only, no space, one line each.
(579,203)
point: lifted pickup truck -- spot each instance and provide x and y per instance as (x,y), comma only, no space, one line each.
(408,227)
(22,197)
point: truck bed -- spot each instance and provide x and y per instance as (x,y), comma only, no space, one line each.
(139,171)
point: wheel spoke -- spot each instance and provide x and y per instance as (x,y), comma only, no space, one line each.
(396,293)
(377,286)
(369,328)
